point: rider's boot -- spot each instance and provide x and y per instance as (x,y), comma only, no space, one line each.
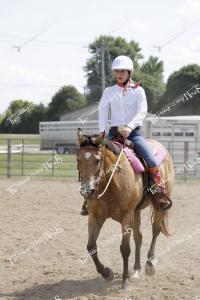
(157,189)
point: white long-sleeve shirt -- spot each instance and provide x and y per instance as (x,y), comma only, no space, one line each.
(129,109)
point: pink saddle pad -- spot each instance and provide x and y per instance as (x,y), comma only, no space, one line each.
(158,150)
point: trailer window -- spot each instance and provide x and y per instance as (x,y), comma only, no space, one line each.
(167,134)
(178,134)
(156,133)
(189,134)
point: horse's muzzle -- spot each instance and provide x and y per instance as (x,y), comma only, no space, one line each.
(88,193)
(87,190)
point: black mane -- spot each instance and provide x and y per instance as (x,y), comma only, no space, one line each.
(88,141)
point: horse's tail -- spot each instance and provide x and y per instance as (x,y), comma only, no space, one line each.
(164,224)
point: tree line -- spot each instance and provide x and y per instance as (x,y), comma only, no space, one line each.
(68,98)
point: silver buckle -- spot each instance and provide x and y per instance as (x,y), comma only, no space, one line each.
(154,189)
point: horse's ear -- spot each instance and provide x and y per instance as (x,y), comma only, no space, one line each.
(100,138)
(80,136)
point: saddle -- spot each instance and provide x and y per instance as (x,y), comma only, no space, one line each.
(140,166)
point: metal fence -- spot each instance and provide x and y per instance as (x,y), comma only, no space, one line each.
(24,158)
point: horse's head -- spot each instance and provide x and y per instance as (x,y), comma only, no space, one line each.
(89,158)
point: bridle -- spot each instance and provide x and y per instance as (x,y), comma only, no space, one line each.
(99,169)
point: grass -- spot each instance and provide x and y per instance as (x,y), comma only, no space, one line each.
(30,163)
(17,139)
(36,162)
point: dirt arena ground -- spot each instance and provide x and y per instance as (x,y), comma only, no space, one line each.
(44,234)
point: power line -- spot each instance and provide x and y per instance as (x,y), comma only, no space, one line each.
(19,47)
(160,47)
(34,85)
(28,85)
(34,37)
(9,37)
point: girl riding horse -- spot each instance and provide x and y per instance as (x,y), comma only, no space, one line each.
(128,105)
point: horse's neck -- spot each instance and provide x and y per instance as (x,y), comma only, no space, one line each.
(109,161)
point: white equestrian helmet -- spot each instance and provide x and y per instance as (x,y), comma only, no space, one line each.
(122,62)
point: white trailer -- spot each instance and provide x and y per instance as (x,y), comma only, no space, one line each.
(62,135)
(180,135)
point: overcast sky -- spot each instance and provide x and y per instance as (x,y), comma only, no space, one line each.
(61,31)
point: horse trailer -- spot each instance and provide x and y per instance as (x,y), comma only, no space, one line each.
(180,135)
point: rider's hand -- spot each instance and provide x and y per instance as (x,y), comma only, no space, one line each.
(124,130)
(125,133)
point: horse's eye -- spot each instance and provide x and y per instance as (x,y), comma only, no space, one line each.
(97,161)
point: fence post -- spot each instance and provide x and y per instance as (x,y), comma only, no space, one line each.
(8,158)
(186,150)
(53,160)
(22,165)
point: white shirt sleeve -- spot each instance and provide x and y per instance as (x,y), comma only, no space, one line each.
(103,110)
(141,109)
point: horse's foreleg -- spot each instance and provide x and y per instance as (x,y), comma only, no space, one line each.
(156,229)
(138,242)
(94,227)
(127,226)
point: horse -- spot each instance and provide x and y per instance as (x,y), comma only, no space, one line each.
(96,157)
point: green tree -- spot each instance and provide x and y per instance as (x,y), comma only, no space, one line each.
(154,88)
(65,100)
(6,125)
(149,73)
(112,47)
(153,67)
(178,83)
(30,121)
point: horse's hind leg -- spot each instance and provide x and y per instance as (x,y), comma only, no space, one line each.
(137,235)
(159,224)
(127,226)
(94,227)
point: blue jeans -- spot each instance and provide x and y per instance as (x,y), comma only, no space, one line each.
(140,145)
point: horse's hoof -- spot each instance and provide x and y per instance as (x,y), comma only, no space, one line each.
(109,274)
(136,274)
(125,283)
(150,267)
(84,212)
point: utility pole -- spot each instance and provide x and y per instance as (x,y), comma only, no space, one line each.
(103,79)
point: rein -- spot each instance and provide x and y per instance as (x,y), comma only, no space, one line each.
(89,148)
(111,176)
(99,170)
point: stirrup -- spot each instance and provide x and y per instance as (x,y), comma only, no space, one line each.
(156,200)
(166,206)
